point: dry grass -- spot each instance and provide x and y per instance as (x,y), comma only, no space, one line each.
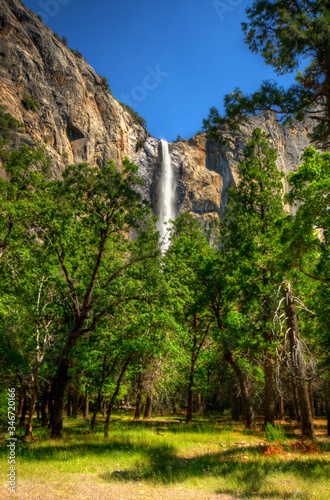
(167,460)
(90,490)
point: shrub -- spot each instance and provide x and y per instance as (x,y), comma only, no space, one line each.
(136,117)
(39,17)
(63,40)
(77,53)
(140,144)
(7,124)
(30,103)
(105,83)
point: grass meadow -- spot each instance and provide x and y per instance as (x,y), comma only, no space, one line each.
(165,459)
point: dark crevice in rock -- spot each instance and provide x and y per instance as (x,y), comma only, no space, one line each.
(74,133)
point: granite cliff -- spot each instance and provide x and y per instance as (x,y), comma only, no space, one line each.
(78,120)
(76,117)
(205,171)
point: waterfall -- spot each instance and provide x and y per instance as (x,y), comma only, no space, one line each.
(166,202)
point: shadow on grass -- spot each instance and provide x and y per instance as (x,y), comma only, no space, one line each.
(159,463)
(105,448)
(273,495)
(164,466)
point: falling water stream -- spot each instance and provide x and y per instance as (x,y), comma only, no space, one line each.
(166,203)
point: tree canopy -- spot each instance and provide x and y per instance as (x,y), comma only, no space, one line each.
(287,35)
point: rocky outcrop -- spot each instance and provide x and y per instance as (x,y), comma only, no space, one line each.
(205,171)
(78,120)
(75,116)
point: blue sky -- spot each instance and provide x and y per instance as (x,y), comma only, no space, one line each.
(172,59)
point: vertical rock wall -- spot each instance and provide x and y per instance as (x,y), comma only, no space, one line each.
(205,171)
(75,116)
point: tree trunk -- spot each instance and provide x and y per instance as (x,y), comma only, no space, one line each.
(58,390)
(292,410)
(38,405)
(45,404)
(298,362)
(249,416)
(234,402)
(103,407)
(244,410)
(269,401)
(199,404)
(24,406)
(295,399)
(249,413)
(311,397)
(189,403)
(24,410)
(69,400)
(327,407)
(99,401)
(21,402)
(279,387)
(28,430)
(75,402)
(61,379)
(148,408)
(115,394)
(97,407)
(269,390)
(22,396)
(86,412)
(137,412)
(192,374)
(173,405)
(281,413)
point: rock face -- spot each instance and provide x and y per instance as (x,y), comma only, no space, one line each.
(208,171)
(78,120)
(205,171)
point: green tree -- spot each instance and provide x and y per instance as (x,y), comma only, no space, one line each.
(286,34)
(251,233)
(22,348)
(27,303)
(105,83)
(307,246)
(310,232)
(298,361)
(82,224)
(185,259)
(233,333)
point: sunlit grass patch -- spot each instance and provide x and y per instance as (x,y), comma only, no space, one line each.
(211,458)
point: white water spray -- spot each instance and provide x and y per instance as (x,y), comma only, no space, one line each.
(166,203)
